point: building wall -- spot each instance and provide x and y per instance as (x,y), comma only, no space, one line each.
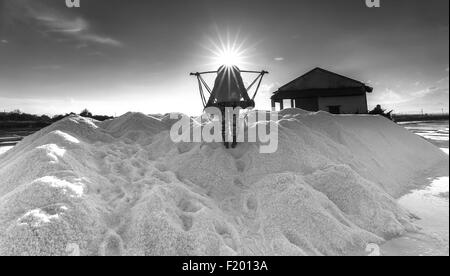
(348,105)
(309,104)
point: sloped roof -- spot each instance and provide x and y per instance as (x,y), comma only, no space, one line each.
(321,82)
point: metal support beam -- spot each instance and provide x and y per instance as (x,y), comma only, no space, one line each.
(202,83)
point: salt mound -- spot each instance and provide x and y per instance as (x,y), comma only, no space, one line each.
(122,187)
(134,126)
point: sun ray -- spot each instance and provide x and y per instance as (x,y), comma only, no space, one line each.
(228,49)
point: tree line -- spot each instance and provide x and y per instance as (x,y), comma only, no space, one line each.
(18,116)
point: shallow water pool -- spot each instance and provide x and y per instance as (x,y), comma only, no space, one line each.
(430,204)
(4,149)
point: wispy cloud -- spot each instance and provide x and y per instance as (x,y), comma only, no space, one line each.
(77,28)
(389,96)
(424,92)
(4,41)
(443,80)
(268,87)
(279,58)
(57,22)
(100,39)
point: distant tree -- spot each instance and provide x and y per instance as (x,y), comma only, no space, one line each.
(86,113)
(45,118)
(102,117)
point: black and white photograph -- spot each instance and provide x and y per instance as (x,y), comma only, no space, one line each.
(238,130)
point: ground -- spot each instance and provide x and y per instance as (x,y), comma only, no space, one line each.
(122,187)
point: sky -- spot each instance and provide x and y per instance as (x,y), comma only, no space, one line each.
(114,56)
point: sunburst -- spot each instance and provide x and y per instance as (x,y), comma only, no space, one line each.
(229,51)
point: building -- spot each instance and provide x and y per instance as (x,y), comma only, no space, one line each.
(320,89)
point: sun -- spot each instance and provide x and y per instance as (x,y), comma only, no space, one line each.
(229,57)
(228,50)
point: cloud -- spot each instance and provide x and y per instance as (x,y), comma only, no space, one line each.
(279,58)
(101,40)
(423,92)
(430,99)
(56,22)
(389,96)
(443,80)
(4,41)
(268,87)
(77,28)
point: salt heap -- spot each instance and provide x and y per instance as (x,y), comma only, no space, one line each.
(122,187)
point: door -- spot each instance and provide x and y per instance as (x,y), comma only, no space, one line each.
(334,109)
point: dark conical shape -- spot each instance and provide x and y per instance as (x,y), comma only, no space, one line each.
(229,89)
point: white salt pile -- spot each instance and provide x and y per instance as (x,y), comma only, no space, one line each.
(122,187)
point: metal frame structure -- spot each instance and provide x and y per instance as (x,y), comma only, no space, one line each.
(204,86)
